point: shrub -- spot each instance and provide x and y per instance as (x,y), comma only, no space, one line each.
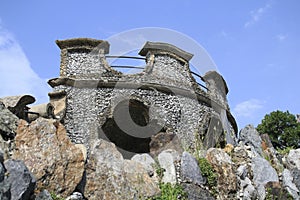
(283,129)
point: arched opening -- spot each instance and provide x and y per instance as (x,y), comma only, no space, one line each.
(130,128)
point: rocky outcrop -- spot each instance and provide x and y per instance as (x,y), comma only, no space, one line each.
(38,160)
(224,167)
(45,148)
(250,136)
(109,176)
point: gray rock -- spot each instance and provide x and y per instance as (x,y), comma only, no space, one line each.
(242,171)
(263,172)
(296,177)
(75,196)
(8,123)
(21,180)
(249,192)
(293,159)
(261,192)
(5,193)
(4,185)
(287,181)
(44,195)
(195,192)
(1,156)
(147,161)
(166,161)
(7,147)
(2,172)
(250,136)
(245,182)
(190,171)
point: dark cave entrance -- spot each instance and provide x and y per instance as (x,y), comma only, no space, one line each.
(130,128)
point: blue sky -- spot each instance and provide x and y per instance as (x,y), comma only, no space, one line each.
(255,44)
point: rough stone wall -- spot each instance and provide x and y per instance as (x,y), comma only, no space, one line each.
(87,110)
(93,89)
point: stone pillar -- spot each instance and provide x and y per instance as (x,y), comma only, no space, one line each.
(83,58)
(168,63)
(217,91)
(217,88)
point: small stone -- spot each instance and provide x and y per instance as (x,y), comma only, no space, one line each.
(242,171)
(75,196)
(166,161)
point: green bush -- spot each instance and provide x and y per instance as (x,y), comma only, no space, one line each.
(208,172)
(283,129)
(170,192)
(56,197)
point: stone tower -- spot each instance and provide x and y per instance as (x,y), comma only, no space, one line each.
(94,100)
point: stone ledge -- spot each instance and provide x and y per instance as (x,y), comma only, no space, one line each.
(165,47)
(83,43)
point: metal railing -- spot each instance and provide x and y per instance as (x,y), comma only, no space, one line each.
(142,58)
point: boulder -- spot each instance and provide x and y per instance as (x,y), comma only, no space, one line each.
(167,160)
(147,161)
(4,184)
(248,190)
(109,176)
(250,136)
(49,154)
(163,141)
(296,176)
(224,167)
(195,192)
(263,172)
(21,180)
(287,181)
(242,171)
(293,159)
(190,171)
(8,123)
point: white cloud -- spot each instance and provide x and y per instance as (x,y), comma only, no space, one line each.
(281,37)
(256,15)
(17,77)
(248,108)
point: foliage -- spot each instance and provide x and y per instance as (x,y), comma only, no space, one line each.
(283,129)
(284,151)
(272,194)
(170,192)
(208,172)
(160,171)
(56,197)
